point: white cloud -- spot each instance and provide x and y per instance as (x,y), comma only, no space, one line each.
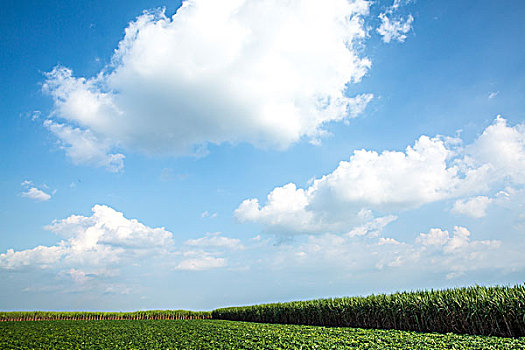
(502,149)
(459,242)
(35,115)
(431,170)
(41,257)
(36,194)
(436,252)
(436,237)
(493,94)
(200,261)
(97,248)
(78,276)
(206,214)
(394,29)
(285,209)
(387,240)
(101,242)
(368,181)
(475,207)
(215,240)
(83,147)
(26,183)
(265,72)
(373,227)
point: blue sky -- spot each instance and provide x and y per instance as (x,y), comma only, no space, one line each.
(238,152)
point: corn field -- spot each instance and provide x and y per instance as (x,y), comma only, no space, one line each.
(498,311)
(92,316)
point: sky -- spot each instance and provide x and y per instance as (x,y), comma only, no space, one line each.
(200,154)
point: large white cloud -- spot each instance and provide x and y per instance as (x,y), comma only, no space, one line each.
(265,72)
(431,170)
(98,243)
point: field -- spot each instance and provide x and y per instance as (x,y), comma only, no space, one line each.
(219,334)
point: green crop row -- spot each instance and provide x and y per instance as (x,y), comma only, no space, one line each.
(74,316)
(498,311)
(218,334)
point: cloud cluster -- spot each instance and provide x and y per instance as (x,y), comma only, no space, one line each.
(100,246)
(394,27)
(264,72)
(436,252)
(431,170)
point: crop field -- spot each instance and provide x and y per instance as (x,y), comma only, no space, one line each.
(220,334)
(92,316)
(476,310)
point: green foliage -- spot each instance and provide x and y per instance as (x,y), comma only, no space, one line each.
(217,334)
(77,316)
(496,311)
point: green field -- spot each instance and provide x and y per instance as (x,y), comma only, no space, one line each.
(219,334)
(478,310)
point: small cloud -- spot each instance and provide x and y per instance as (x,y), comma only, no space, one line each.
(206,214)
(78,276)
(201,263)
(35,115)
(493,94)
(26,183)
(383,241)
(392,27)
(168,175)
(372,228)
(215,240)
(474,207)
(454,275)
(36,194)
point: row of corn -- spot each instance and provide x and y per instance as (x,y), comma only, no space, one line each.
(138,315)
(498,311)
